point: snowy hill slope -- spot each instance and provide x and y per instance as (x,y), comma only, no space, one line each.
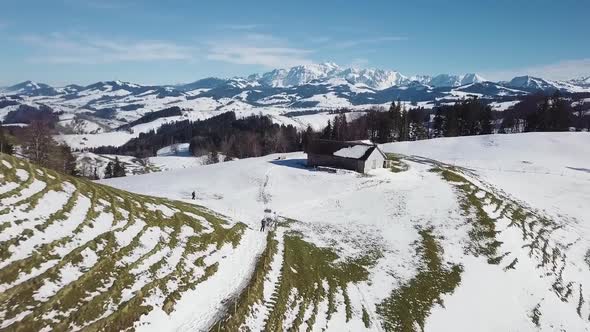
(502,232)
(166,159)
(79,255)
(533,167)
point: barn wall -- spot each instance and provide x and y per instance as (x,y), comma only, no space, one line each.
(375,157)
(332,161)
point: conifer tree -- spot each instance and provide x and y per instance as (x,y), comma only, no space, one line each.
(404,130)
(438,124)
(396,120)
(118,169)
(108,171)
(327,133)
(486,121)
(307,137)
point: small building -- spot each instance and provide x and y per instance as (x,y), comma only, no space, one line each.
(355,156)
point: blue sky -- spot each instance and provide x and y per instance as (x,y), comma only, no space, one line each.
(84,41)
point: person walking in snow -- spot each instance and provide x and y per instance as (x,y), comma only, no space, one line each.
(262,224)
(194,195)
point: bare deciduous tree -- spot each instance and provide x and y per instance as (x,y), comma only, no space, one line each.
(37,143)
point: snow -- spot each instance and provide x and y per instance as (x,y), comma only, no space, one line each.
(290,183)
(80,126)
(180,149)
(50,203)
(68,273)
(354,152)
(81,141)
(20,125)
(88,162)
(124,237)
(26,193)
(387,207)
(197,309)
(516,163)
(330,100)
(502,106)
(546,173)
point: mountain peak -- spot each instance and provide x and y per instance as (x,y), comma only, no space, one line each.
(27,87)
(443,80)
(472,78)
(302,74)
(527,81)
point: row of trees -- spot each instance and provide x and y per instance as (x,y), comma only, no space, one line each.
(544,113)
(465,117)
(252,136)
(378,125)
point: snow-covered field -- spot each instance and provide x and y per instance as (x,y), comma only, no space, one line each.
(543,177)
(483,233)
(549,171)
(172,157)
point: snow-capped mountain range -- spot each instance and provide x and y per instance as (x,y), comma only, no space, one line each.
(377,79)
(301,96)
(374,78)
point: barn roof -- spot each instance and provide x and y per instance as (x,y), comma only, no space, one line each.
(343,149)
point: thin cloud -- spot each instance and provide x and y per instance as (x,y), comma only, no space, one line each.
(258,49)
(270,57)
(562,70)
(366,41)
(67,49)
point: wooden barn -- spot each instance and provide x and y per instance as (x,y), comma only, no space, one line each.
(356,156)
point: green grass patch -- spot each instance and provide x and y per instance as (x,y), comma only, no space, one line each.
(242,307)
(396,163)
(407,307)
(483,227)
(306,267)
(309,276)
(366,319)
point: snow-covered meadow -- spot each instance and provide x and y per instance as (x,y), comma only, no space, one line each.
(531,189)
(485,233)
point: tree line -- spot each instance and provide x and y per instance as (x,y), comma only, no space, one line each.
(540,112)
(377,124)
(398,123)
(252,136)
(258,135)
(465,117)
